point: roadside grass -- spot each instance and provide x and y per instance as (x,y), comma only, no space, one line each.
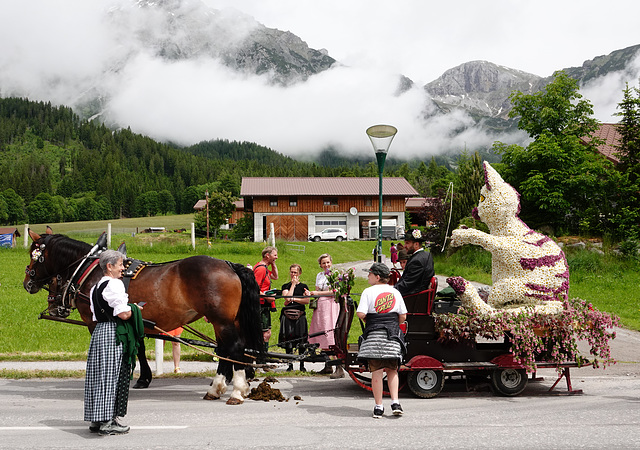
(609,282)
(28,339)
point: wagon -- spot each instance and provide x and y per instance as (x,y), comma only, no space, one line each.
(430,360)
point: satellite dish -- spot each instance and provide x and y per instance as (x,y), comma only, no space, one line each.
(353,211)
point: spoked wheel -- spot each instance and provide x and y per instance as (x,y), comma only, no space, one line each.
(425,383)
(509,382)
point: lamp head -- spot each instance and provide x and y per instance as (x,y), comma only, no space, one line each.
(381,137)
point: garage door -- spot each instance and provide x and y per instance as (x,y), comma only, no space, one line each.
(290,228)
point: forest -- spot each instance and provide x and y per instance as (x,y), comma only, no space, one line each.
(58,168)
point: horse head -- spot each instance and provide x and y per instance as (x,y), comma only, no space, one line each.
(53,258)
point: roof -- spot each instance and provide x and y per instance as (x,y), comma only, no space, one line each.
(418,202)
(10,230)
(608,132)
(200,204)
(339,186)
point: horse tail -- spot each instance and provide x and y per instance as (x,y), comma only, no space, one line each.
(249,312)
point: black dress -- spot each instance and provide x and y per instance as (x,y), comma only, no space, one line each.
(293,328)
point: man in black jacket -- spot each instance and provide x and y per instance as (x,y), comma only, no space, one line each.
(419,269)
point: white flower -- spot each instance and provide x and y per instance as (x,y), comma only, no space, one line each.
(416,234)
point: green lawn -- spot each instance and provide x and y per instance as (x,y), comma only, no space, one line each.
(611,284)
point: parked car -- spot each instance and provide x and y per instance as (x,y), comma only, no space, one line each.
(329,234)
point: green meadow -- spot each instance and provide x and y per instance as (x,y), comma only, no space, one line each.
(609,282)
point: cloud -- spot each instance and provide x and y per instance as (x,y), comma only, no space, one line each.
(71,52)
(606,92)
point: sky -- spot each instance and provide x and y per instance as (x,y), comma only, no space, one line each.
(58,51)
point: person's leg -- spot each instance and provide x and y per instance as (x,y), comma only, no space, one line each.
(393,382)
(176,356)
(376,385)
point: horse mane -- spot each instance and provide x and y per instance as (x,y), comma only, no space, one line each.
(67,250)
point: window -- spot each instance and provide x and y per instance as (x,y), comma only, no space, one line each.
(386,202)
(368,201)
(293,201)
(273,201)
(330,201)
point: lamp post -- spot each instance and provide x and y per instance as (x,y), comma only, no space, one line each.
(381,137)
(206,200)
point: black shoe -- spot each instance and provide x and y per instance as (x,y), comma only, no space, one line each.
(302,369)
(290,368)
(397,409)
(113,427)
(95,426)
(378,412)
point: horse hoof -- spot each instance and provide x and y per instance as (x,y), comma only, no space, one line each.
(208,396)
(141,384)
(234,401)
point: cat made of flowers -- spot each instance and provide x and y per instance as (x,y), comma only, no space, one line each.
(528,268)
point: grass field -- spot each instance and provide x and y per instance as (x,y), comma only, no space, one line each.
(611,284)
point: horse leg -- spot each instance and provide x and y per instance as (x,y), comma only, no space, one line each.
(219,383)
(145,371)
(240,388)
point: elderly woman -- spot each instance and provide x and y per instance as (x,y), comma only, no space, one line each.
(107,376)
(325,315)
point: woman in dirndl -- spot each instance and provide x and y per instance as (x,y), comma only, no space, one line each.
(293,319)
(106,389)
(326,314)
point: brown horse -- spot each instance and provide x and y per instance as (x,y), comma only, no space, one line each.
(176,293)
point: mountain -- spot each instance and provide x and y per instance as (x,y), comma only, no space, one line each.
(482,88)
(183,30)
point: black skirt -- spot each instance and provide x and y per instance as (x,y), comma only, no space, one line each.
(292,330)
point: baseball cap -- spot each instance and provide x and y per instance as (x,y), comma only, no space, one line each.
(380,269)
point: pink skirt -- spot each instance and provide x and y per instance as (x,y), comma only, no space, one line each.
(324,318)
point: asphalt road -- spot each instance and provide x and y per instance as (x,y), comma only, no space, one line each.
(47,413)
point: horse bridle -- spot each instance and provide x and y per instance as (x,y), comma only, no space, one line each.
(57,295)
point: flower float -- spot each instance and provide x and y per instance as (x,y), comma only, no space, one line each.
(529,297)
(528,268)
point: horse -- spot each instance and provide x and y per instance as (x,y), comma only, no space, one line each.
(175,293)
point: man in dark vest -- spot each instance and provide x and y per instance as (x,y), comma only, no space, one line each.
(419,269)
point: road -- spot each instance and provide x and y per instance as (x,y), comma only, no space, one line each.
(47,413)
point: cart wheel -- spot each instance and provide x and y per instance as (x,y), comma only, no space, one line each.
(425,383)
(509,382)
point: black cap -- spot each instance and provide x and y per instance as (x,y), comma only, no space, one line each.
(380,269)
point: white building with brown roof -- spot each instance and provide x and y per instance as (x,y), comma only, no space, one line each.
(298,207)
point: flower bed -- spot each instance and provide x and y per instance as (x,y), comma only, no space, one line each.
(536,336)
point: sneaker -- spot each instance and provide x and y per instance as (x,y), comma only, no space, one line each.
(397,409)
(95,426)
(378,412)
(113,427)
(177,370)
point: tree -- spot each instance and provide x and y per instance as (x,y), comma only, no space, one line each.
(469,181)
(221,207)
(15,207)
(166,201)
(629,129)
(560,179)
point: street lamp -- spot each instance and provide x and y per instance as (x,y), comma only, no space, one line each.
(381,137)
(206,200)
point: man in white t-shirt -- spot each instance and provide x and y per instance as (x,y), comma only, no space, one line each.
(383,310)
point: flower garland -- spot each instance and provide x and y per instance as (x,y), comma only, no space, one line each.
(341,281)
(536,336)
